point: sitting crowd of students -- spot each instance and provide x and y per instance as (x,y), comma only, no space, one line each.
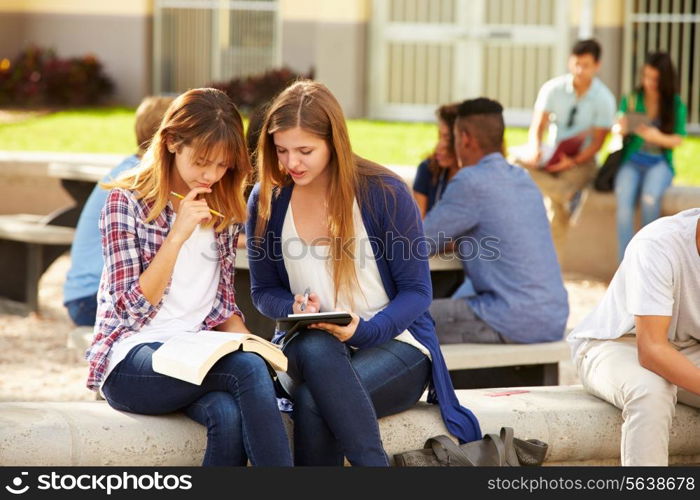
(323,219)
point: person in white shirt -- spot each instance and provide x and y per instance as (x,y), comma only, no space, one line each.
(639,348)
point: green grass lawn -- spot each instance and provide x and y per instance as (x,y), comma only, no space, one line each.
(110,130)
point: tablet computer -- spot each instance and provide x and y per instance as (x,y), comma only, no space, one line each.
(635,119)
(294,322)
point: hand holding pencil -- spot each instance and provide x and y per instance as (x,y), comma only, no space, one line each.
(190,213)
(178,195)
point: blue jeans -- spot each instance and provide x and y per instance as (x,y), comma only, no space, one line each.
(647,183)
(83,311)
(236,402)
(339,393)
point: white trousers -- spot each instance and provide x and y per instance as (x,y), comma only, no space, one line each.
(610,370)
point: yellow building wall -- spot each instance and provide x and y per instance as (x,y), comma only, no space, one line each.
(348,11)
(606,13)
(96,7)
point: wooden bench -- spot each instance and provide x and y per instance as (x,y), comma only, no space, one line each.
(579,428)
(28,245)
(498,365)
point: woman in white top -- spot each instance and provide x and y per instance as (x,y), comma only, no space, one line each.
(349,230)
(169,271)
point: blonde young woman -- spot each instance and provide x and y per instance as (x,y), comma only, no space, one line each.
(349,230)
(169,271)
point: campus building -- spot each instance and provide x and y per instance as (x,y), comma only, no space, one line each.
(384,59)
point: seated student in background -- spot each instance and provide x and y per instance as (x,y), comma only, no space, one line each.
(577,107)
(83,278)
(647,160)
(495,215)
(435,172)
(169,268)
(640,348)
(325,219)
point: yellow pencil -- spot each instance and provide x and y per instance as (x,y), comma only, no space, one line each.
(178,195)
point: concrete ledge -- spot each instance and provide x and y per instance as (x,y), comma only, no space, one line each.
(468,356)
(591,243)
(579,428)
(29,228)
(29,186)
(36,163)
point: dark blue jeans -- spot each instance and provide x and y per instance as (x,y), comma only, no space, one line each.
(339,393)
(236,402)
(83,311)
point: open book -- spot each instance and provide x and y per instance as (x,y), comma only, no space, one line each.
(293,322)
(190,356)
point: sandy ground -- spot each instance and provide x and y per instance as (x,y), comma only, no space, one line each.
(37,365)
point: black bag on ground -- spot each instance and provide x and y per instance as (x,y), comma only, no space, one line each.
(494,450)
(605,178)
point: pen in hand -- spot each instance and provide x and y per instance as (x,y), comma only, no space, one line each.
(302,307)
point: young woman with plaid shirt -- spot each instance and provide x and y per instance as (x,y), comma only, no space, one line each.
(169,268)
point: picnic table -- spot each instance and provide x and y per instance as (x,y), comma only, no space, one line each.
(30,243)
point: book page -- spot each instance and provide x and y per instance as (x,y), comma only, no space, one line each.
(190,356)
(193,348)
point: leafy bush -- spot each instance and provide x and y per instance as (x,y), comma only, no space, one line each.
(38,77)
(250,92)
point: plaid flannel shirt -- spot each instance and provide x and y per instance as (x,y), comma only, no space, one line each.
(128,245)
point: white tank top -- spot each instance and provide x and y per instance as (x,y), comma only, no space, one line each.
(309,266)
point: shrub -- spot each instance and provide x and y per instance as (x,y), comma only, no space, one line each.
(250,92)
(38,77)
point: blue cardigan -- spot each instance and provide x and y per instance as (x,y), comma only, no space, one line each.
(386,217)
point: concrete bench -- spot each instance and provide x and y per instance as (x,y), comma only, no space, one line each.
(498,365)
(28,245)
(469,358)
(591,243)
(473,362)
(579,428)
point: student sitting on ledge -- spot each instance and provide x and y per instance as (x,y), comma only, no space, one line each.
(638,350)
(495,215)
(324,219)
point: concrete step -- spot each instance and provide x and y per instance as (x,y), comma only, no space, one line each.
(579,428)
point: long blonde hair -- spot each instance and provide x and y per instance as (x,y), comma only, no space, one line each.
(312,107)
(206,120)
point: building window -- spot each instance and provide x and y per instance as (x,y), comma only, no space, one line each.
(196,42)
